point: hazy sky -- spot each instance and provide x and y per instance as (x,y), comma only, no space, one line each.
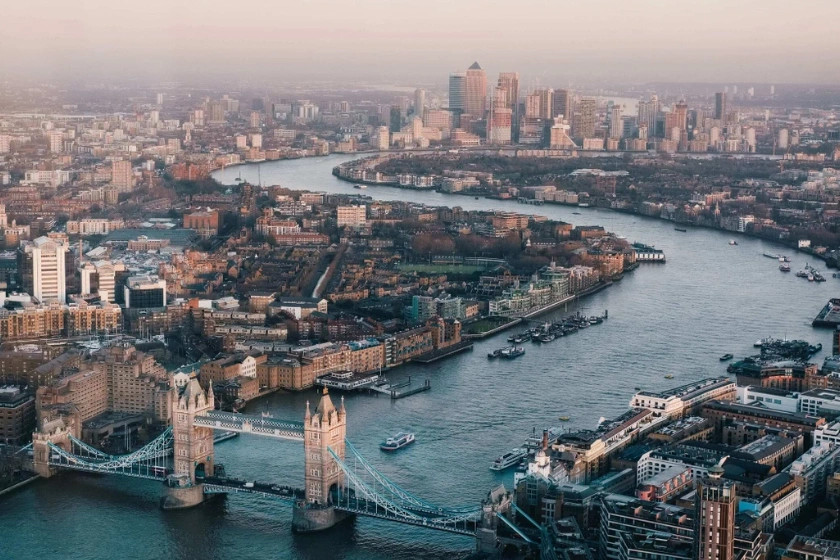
(413,41)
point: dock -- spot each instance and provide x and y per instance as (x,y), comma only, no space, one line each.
(401,389)
(347,380)
(829,316)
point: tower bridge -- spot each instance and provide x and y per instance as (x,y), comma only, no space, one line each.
(338,481)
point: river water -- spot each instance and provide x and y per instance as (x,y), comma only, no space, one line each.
(678,318)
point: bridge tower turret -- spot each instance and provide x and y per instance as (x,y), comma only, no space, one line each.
(324,429)
(192,445)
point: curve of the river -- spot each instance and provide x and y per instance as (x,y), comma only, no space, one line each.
(678,318)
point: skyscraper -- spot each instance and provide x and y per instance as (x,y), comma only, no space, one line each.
(562,106)
(395,118)
(616,124)
(457,95)
(714,517)
(720,106)
(509,82)
(475,101)
(419,102)
(546,103)
(500,118)
(121,176)
(584,122)
(681,111)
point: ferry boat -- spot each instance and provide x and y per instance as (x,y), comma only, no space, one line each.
(397,442)
(512,352)
(509,459)
(784,267)
(733,242)
(726,357)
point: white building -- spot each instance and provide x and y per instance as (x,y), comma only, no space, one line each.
(775,399)
(676,402)
(48,274)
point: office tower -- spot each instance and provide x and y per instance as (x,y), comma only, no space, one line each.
(500,119)
(56,141)
(714,517)
(395,118)
(457,91)
(509,82)
(616,125)
(681,112)
(457,95)
(41,268)
(98,278)
(720,106)
(144,292)
(160,99)
(475,101)
(438,118)
(532,106)
(584,121)
(546,97)
(419,101)
(255,119)
(562,104)
(121,175)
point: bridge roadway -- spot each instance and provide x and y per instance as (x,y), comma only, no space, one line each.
(422,518)
(227,485)
(259,426)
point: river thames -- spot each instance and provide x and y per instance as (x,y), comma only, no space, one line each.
(710,298)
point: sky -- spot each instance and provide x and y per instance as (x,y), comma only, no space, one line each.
(421,41)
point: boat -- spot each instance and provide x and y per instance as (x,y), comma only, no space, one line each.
(583,205)
(547,337)
(596,320)
(763,341)
(509,459)
(397,442)
(810,278)
(576,213)
(772,256)
(564,418)
(784,267)
(802,274)
(783,258)
(476,198)
(357,186)
(726,357)
(680,229)
(733,242)
(512,352)
(669,376)
(494,354)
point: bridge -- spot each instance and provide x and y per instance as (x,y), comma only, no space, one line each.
(339,481)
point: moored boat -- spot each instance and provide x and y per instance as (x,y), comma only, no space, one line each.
(509,459)
(784,267)
(512,352)
(397,442)
(726,357)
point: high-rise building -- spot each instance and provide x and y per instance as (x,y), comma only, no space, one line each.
(255,119)
(681,112)
(144,292)
(500,119)
(546,97)
(383,138)
(5,143)
(532,106)
(395,118)
(42,269)
(562,105)
(351,216)
(714,517)
(616,125)
(99,278)
(419,101)
(509,82)
(720,106)
(121,176)
(457,96)
(159,99)
(583,125)
(475,101)
(56,140)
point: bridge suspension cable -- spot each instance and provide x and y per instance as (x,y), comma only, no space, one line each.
(404,495)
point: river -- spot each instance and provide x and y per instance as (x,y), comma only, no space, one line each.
(709,299)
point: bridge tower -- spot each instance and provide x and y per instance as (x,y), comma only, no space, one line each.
(192,447)
(323,429)
(51,433)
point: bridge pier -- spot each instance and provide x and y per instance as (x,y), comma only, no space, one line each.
(180,493)
(307,518)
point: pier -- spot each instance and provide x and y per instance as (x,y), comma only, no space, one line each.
(401,389)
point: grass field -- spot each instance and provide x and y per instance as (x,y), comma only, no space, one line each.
(440,268)
(484,325)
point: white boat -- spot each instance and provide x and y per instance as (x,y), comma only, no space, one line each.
(397,442)
(733,242)
(509,459)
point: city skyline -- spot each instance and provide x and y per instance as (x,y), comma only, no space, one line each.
(747,41)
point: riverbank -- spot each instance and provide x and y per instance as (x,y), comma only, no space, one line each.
(32,477)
